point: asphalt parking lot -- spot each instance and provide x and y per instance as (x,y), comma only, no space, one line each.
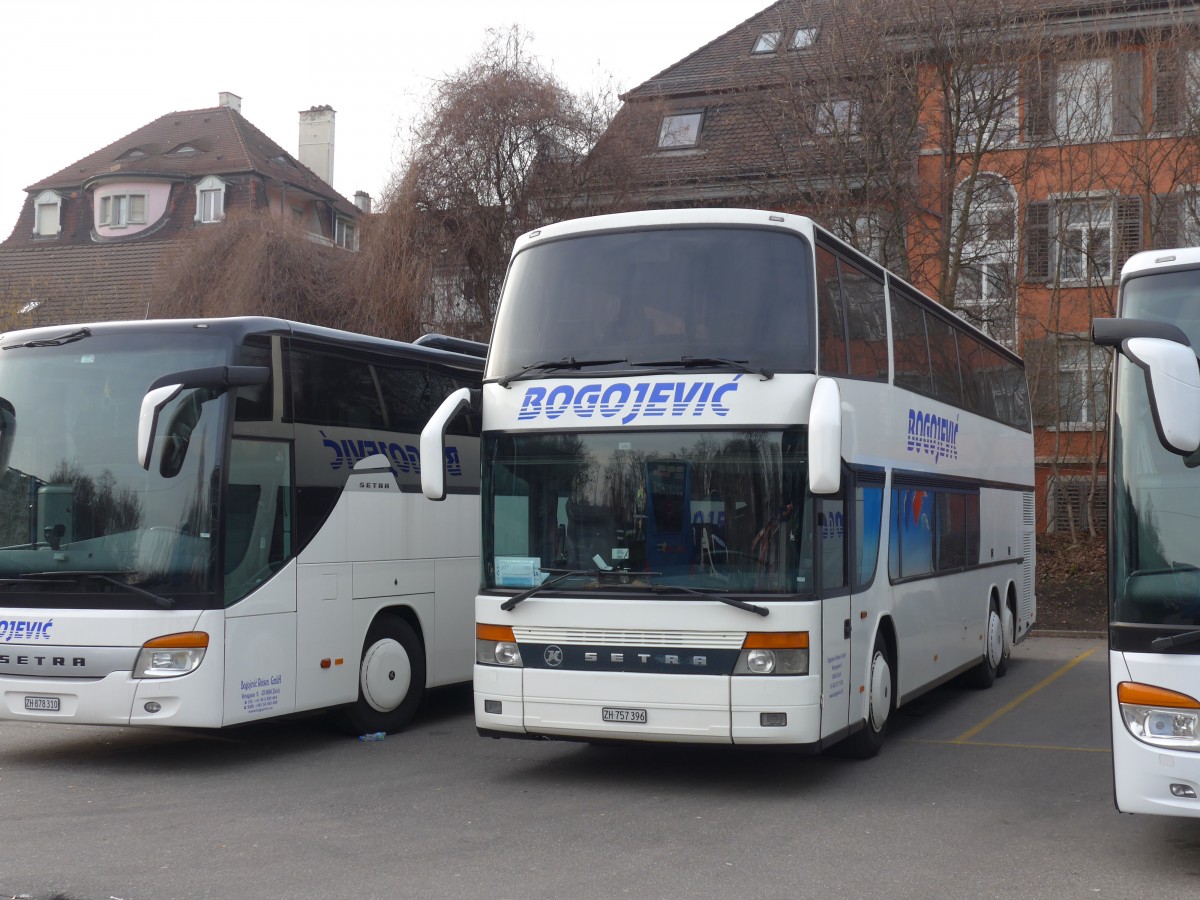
(998,793)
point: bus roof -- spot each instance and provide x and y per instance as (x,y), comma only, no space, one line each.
(239,327)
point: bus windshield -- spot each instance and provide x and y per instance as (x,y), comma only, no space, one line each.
(1156,494)
(713,510)
(649,295)
(81,520)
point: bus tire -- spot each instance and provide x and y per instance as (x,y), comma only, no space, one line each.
(881,703)
(391,678)
(984,674)
(1007,620)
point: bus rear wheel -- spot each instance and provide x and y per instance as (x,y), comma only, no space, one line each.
(868,742)
(391,678)
(984,674)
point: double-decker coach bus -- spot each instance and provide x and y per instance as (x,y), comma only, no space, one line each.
(1153,539)
(740,485)
(209,522)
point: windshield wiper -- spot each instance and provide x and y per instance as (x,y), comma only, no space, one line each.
(512,601)
(1175,640)
(46,577)
(68,338)
(695,362)
(549,365)
(732,601)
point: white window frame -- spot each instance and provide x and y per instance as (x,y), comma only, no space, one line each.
(1081,385)
(345,233)
(990,251)
(46,200)
(210,200)
(1083,110)
(119,210)
(680,131)
(1082,240)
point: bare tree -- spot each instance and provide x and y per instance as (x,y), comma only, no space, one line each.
(258,264)
(501,148)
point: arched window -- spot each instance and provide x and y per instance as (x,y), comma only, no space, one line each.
(47,214)
(210,200)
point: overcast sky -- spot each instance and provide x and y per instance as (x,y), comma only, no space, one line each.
(80,74)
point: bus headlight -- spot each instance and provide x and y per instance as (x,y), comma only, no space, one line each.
(1160,717)
(773,653)
(171,655)
(496,646)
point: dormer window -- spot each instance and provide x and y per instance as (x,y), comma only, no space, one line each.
(135,153)
(804,38)
(768,42)
(185,150)
(210,200)
(47,214)
(119,210)
(680,130)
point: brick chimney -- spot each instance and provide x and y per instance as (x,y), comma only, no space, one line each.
(316,141)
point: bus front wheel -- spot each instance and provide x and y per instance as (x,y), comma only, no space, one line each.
(867,742)
(391,678)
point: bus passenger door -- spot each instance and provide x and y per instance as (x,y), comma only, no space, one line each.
(830,553)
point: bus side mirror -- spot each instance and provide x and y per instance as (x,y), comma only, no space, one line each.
(825,438)
(1173,385)
(433,443)
(8,432)
(218,379)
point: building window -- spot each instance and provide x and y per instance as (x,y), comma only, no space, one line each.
(987,110)
(1082,385)
(804,37)
(210,200)
(768,42)
(345,234)
(1081,240)
(1079,504)
(985,290)
(47,214)
(680,130)
(1084,100)
(838,117)
(119,210)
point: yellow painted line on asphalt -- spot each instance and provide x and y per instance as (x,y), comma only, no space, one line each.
(966,736)
(959,743)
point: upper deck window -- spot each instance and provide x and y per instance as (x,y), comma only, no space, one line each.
(652,295)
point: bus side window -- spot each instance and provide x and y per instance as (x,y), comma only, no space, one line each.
(831,537)
(831,319)
(868,516)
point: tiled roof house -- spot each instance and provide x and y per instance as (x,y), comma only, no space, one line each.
(1082,147)
(92,238)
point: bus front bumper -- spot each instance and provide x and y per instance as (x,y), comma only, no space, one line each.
(624,706)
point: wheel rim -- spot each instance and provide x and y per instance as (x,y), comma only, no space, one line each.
(386,675)
(995,639)
(881,690)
